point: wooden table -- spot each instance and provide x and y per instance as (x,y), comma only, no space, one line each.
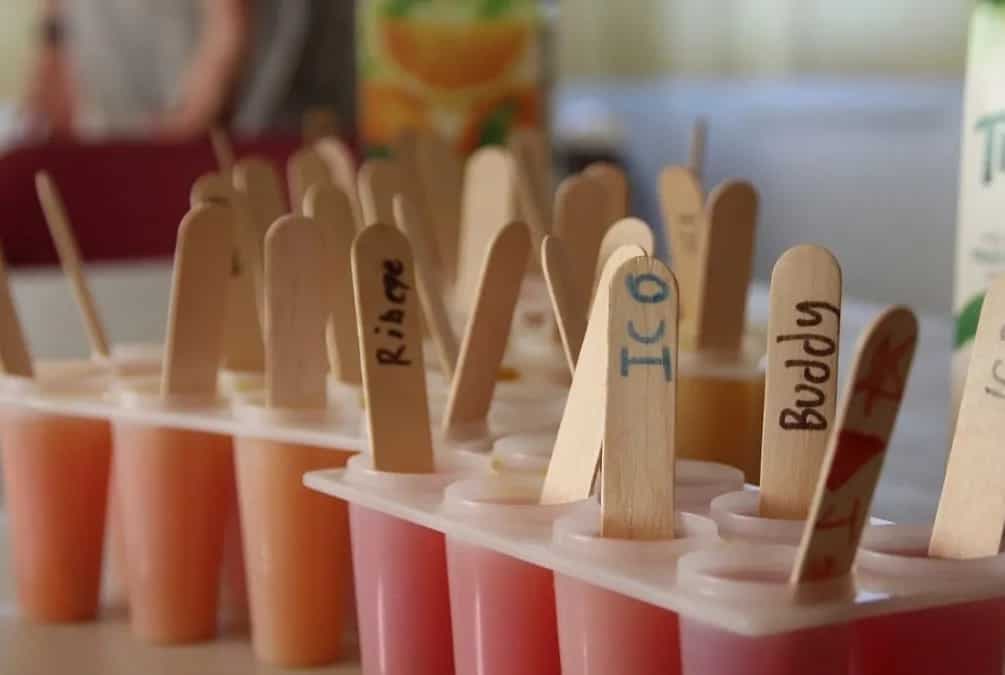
(106,647)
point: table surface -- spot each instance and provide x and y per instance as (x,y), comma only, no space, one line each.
(133,299)
(106,647)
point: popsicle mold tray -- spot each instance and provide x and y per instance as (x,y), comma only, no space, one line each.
(94,390)
(690,576)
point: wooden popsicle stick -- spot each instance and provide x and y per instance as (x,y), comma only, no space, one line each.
(637,480)
(615,182)
(406,156)
(15,358)
(258,181)
(487,207)
(971,512)
(532,166)
(487,332)
(696,152)
(223,150)
(318,122)
(261,197)
(194,339)
(210,188)
(430,291)
(441,174)
(682,201)
(243,348)
(304,168)
(857,447)
(331,208)
(390,337)
(379,181)
(581,208)
(296,310)
(725,260)
(800,393)
(621,233)
(570,312)
(342,168)
(581,432)
(69,258)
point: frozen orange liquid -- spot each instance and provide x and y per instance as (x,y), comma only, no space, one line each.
(296,550)
(965,638)
(55,472)
(402,596)
(502,614)
(176,491)
(234,605)
(604,633)
(116,583)
(719,420)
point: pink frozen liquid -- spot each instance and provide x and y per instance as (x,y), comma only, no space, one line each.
(56,483)
(402,598)
(503,614)
(965,639)
(707,650)
(604,633)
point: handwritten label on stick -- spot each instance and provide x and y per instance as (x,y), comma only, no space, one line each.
(390,338)
(801,383)
(857,448)
(637,493)
(971,510)
(577,447)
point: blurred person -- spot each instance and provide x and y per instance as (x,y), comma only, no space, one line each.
(171,69)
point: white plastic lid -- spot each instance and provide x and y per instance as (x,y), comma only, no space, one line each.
(579,533)
(895,557)
(508,500)
(699,482)
(736,514)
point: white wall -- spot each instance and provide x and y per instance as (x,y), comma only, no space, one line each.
(773,37)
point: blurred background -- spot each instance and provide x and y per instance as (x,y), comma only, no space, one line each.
(845,115)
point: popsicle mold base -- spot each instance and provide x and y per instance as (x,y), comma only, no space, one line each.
(655,584)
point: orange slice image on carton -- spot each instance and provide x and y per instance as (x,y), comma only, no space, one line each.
(450,54)
(490,120)
(387,111)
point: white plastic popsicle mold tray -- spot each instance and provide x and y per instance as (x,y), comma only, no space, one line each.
(94,390)
(648,581)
